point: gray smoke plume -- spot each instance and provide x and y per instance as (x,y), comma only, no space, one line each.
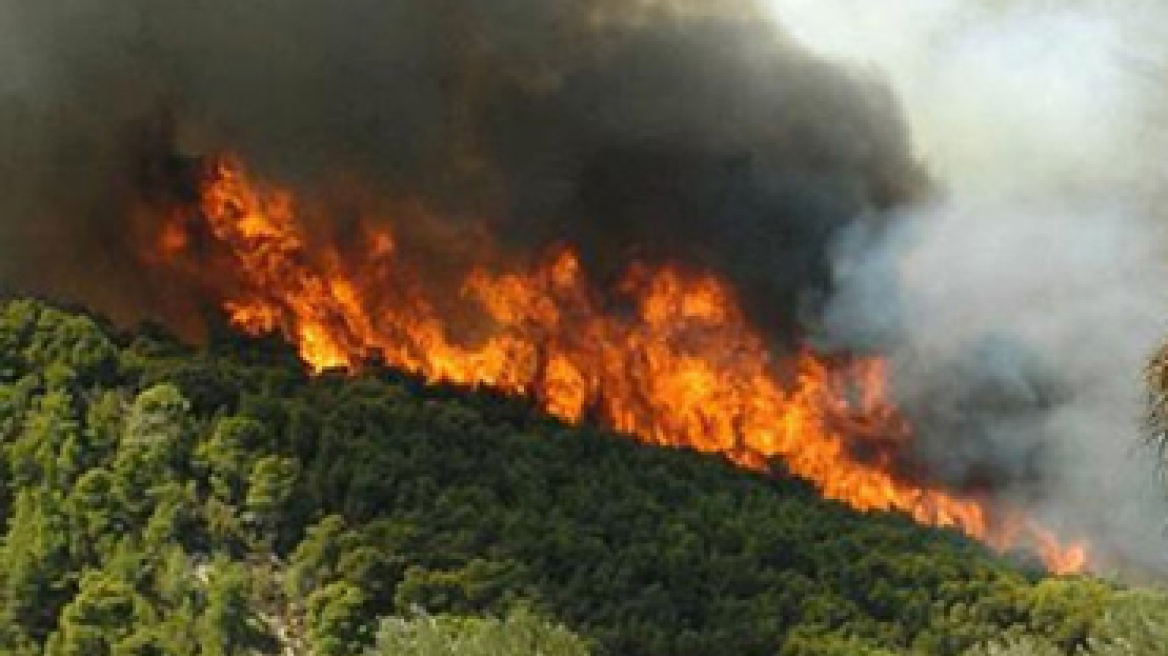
(1021,303)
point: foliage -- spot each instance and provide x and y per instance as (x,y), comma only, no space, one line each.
(1135,624)
(520,632)
(164,500)
(1018,646)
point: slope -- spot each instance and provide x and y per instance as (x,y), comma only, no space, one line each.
(164,499)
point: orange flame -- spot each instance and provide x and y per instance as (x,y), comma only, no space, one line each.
(681,366)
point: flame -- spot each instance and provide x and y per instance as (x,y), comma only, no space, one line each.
(680,366)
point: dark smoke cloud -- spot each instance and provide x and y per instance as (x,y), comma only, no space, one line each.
(654,130)
(1014,310)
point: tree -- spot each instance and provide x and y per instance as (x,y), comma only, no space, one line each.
(48,338)
(270,486)
(390,495)
(336,621)
(153,448)
(158,418)
(1024,645)
(227,626)
(35,563)
(1156,417)
(520,632)
(96,513)
(1135,624)
(103,614)
(50,450)
(478,585)
(229,456)
(314,562)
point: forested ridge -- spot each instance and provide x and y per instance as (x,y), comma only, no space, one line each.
(165,499)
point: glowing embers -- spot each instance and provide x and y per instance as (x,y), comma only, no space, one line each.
(672,361)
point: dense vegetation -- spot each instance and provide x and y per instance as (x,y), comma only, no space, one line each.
(159,499)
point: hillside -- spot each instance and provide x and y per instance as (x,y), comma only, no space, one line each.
(161,499)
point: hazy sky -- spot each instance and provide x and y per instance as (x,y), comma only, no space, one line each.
(1051,88)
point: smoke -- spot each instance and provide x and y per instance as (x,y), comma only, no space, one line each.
(658,131)
(1017,298)
(1022,302)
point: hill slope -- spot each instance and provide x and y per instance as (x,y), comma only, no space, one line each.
(165,500)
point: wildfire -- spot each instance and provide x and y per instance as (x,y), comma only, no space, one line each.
(678,366)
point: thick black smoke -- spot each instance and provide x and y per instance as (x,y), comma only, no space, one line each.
(652,133)
(659,131)
(647,134)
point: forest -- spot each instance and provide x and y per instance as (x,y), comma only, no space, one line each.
(160,498)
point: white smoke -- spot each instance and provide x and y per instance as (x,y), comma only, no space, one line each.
(1043,123)
(1003,95)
